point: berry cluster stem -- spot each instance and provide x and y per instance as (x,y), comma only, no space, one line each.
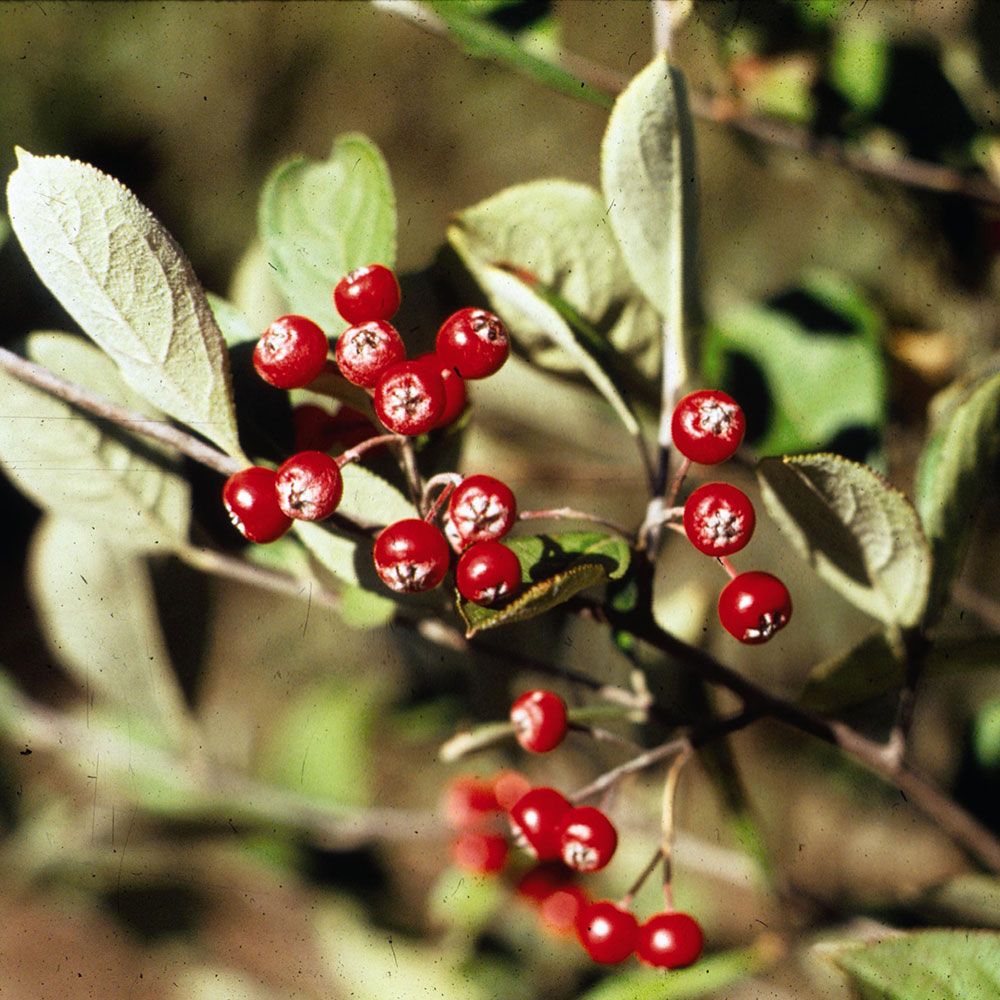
(353,454)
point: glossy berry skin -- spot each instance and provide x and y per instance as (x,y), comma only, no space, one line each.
(607,932)
(587,839)
(365,351)
(670,941)
(753,606)
(479,853)
(474,342)
(309,486)
(455,395)
(487,573)
(539,719)
(409,398)
(719,519)
(411,556)
(470,803)
(535,819)
(708,426)
(509,786)
(367,293)
(480,509)
(538,883)
(291,352)
(251,500)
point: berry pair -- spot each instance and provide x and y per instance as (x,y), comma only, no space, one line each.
(610,934)
(262,503)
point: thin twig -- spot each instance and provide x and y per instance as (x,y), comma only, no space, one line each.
(667,823)
(915,647)
(353,454)
(90,402)
(408,463)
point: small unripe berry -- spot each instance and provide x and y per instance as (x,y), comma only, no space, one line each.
(587,839)
(719,519)
(539,719)
(753,606)
(479,853)
(670,941)
(251,500)
(480,509)
(365,351)
(291,352)
(411,556)
(560,910)
(309,486)
(708,426)
(509,786)
(474,342)
(487,573)
(409,398)
(607,932)
(367,293)
(535,819)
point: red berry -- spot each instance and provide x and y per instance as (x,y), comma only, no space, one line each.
(370,292)
(364,352)
(708,426)
(309,486)
(474,342)
(488,572)
(479,853)
(538,883)
(560,910)
(252,503)
(315,428)
(291,352)
(539,719)
(753,606)
(455,396)
(608,932)
(409,398)
(719,519)
(480,509)
(535,819)
(470,803)
(509,786)
(411,556)
(587,839)
(670,941)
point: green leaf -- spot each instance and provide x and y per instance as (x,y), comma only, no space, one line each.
(871,670)
(859,67)
(857,532)
(483,41)
(121,276)
(82,468)
(986,734)
(554,568)
(819,341)
(648,176)
(95,602)
(556,234)
(925,965)
(234,326)
(712,974)
(319,220)
(955,468)
(971,899)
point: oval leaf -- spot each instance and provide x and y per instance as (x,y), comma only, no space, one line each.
(926,965)
(554,568)
(95,602)
(858,532)
(80,467)
(319,220)
(956,466)
(647,176)
(122,277)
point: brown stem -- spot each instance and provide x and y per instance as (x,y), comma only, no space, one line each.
(353,454)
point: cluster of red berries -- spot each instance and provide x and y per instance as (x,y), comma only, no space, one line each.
(564,840)
(413,555)
(409,396)
(719,519)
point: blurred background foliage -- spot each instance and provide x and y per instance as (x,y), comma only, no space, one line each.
(835,306)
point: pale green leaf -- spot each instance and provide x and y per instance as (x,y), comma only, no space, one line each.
(857,532)
(648,177)
(859,66)
(557,232)
(121,276)
(71,463)
(955,468)
(94,600)
(234,326)
(254,288)
(319,220)
(925,965)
